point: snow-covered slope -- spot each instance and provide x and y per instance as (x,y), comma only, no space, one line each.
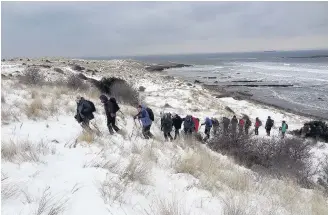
(49,166)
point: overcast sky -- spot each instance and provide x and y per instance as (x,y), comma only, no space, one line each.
(76,29)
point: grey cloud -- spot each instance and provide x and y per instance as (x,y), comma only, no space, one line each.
(127,28)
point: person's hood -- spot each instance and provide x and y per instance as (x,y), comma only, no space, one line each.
(103,98)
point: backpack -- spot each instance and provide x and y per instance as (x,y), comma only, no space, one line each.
(209,122)
(188,122)
(93,108)
(150,113)
(115,105)
(167,120)
(270,123)
(241,122)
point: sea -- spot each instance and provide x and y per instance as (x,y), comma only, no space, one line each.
(291,80)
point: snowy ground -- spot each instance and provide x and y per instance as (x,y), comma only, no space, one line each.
(49,166)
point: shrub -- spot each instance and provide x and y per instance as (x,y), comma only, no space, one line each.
(119,89)
(32,76)
(142,89)
(76,83)
(280,157)
(77,67)
(59,70)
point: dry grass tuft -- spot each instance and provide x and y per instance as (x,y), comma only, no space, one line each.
(8,188)
(25,151)
(49,205)
(137,170)
(168,207)
(86,136)
(112,191)
(34,109)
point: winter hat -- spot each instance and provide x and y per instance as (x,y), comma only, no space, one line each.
(103,98)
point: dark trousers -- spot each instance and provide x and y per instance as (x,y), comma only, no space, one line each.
(226,130)
(85,124)
(256,130)
(176,133)
(241,128)
(283,135)
(246,129)
(207,132)
(111,121)
(188,131)
(268,130)
(168,134)
(146,132)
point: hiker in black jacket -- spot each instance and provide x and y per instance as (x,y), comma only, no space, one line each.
(84,112)
(111,108)
(268,125)
(177,122)
(166,125)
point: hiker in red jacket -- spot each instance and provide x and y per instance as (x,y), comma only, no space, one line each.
(241,126)
(196,122)
(258,123)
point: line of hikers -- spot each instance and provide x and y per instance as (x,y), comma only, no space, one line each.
(145,115)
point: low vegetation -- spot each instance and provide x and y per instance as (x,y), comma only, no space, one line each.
(277,157)
(25,151)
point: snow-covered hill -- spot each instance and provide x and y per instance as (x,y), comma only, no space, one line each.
(49,166)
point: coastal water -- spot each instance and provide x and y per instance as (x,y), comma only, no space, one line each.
(304,72)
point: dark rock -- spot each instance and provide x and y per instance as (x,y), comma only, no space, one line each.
(28,59)
(21,59)
(3,60)
(229,109)
(189,84)
(45,66)
(246,81)
(212,77)
(3,76)
(142,88)
(197,82)
(245,94)
(80,75)
(215,82)
(10,75)
(77,67)
(89,70)
(47,61)
(24,64)
(223,95)
(168,77)
(159,67)
(259,85)
(320,99)
(93,73)
(59,70)
(167,105)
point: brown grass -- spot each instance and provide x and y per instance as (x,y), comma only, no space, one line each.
(34,109)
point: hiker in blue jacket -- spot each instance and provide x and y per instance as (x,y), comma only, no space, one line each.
(208,126)
(143,116)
